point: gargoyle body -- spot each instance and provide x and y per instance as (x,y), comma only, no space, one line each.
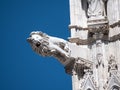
(46,45)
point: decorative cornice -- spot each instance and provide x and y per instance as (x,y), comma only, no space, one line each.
(87,41)
(97,20)
(103,27)
(81,41)
(91,39)
(114,38)
(115,24)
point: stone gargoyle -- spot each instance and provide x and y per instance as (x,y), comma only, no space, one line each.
(46,45)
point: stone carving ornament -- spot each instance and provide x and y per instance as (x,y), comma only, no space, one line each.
(116,88)
(96,9)
(112,65)
(46,45)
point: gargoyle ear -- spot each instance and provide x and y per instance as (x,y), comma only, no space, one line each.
(42,34)
(33,32)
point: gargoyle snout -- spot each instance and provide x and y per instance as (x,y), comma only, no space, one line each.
(29,40)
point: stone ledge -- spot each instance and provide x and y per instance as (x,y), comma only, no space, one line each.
(95,26)
(91,40)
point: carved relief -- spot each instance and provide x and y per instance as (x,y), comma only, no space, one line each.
(112,65)
(113,82)
(96,9)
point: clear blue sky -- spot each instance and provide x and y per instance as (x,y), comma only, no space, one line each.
(20,67)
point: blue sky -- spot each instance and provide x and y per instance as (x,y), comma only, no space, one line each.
(20,67)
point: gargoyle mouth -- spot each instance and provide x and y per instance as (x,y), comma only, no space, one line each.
(38,44)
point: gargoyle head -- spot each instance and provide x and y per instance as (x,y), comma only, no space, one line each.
(39,42)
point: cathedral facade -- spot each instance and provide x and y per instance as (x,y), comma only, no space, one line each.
(95,26)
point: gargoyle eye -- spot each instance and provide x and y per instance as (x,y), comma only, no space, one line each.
(38,44)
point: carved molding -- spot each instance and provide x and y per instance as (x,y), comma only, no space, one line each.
(114,38)
(103,28)
(81,41)
(91,40)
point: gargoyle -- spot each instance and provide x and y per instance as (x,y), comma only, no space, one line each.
(46,45)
